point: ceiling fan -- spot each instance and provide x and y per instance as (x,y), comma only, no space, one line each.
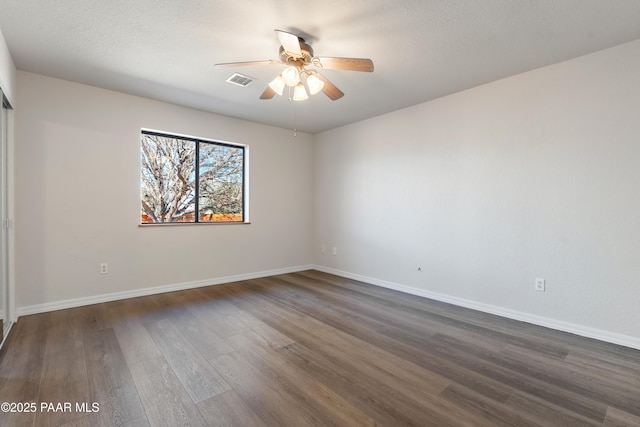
(298,55)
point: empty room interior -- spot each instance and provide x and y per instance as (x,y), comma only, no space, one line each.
(297,213)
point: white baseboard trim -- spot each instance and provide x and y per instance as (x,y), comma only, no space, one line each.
(559,325)
(77,302)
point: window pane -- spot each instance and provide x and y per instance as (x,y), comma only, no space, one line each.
(168,179)
(221,186)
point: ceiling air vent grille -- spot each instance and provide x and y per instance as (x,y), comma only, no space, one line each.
(240,79)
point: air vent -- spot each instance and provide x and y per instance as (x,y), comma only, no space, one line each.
(240,79)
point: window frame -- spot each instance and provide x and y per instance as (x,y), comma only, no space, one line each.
(197,141)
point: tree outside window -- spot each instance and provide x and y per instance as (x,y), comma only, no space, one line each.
(188,180)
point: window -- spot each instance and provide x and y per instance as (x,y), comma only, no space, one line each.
(190,180)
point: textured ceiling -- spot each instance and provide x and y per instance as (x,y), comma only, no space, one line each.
(422,49)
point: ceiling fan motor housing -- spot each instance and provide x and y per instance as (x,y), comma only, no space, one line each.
(299,61)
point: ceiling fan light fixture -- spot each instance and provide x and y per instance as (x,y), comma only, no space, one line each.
(291,76)
(314,83)
(296,55)
(300,93)
(277,84)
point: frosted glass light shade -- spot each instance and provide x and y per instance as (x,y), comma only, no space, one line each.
(291,76)
(300,93)
(315,84)
(277,85)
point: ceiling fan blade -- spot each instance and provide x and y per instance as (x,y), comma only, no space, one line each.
(329,88)
(248,63)
(353,64)
(268,93)
(290,43)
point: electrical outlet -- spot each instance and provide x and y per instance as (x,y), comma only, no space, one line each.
(335,251)
(322,249)
(104,268)
(540,284)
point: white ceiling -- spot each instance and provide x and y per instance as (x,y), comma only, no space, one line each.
(422,49)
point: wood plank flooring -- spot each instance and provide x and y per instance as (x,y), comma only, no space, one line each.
(308,349)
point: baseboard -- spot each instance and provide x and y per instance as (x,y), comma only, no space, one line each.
(559,325)
(77,302)
(584,331)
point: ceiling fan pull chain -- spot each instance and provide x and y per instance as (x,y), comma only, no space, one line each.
(295,120)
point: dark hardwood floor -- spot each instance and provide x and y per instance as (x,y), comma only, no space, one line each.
(307,349)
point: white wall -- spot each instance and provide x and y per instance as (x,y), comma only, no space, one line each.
(532,176)
(7,71)
(77,198)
